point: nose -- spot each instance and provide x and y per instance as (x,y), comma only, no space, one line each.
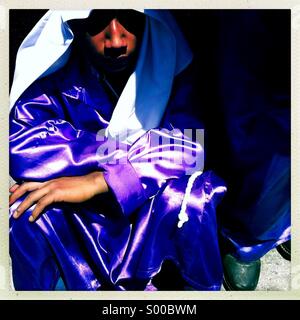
(115,35)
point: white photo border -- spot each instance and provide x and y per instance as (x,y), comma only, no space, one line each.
(6,293)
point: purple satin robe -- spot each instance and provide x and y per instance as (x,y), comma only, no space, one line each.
(117,241)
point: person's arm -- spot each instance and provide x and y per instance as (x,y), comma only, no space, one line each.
(42,150)
(43,144)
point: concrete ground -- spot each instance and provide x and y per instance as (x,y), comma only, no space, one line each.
(275,273)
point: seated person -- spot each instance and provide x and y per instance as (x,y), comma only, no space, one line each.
(109,185)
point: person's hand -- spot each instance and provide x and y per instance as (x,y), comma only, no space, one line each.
(66,189)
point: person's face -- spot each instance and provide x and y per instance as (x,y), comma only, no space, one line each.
(113,47)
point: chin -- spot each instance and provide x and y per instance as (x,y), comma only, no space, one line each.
(116,69)
(115,66)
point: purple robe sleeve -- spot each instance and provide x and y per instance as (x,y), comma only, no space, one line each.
(155,158)
(44,145)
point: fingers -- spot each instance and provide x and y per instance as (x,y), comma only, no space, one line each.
(41,205)
(13,188)
(19,191)
(32,198)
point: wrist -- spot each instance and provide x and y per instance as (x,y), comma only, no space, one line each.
(99,182)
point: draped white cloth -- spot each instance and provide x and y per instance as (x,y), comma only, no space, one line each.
(163,54)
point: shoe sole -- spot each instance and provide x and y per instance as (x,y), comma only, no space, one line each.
(286,254)
(227,286)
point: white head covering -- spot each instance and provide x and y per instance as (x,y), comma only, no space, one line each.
(163,54)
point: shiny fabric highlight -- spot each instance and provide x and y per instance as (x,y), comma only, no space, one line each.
(117,241)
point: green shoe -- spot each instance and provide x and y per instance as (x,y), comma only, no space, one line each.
(240,276)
